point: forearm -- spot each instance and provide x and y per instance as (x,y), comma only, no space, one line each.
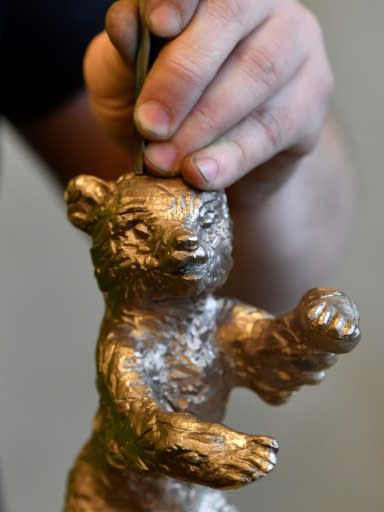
(290,242)
(71,142)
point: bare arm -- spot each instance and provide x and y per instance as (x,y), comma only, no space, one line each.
(71,142)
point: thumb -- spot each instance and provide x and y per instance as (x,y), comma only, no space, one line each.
(109,72)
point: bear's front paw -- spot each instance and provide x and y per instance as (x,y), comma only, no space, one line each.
(241,460)
(330,320)
(210,454)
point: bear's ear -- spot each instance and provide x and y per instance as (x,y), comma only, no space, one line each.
(84,196)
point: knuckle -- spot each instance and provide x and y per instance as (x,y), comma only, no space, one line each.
(310,22)
(240,155)
(259,64)
(322,80)
(273,125)
(184,69)
(310,26)
(206,116)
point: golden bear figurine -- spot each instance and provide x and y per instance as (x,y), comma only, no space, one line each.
(169,352)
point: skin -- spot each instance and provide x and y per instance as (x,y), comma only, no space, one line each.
(246,109)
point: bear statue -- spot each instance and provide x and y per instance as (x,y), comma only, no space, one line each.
(170,352)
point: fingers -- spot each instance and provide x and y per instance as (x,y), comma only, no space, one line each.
(188,64)
(267,101)
(243,83)
(256,70)
(167,18)
(291,120)
(110,74)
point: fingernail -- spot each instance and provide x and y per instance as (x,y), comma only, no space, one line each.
(153,118)
(161,157)
(208,168)
(166,19)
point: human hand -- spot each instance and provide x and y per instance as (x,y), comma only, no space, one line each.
(241,84)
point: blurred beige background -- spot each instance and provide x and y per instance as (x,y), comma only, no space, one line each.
(331,437)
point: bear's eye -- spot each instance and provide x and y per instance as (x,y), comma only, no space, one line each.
(142,230)
(126,221)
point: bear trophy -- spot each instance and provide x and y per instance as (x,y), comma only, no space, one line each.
(169,352)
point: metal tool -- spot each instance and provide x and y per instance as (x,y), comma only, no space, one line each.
(142,66)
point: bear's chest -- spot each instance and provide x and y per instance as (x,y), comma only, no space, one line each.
(186,370)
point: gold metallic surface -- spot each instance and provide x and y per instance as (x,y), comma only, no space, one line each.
(169,352)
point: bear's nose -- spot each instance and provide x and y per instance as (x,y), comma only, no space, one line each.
(186,240)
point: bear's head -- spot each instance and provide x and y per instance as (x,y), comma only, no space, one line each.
(153,239)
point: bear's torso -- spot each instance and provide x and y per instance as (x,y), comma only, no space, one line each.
(177,356)
(178,359)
